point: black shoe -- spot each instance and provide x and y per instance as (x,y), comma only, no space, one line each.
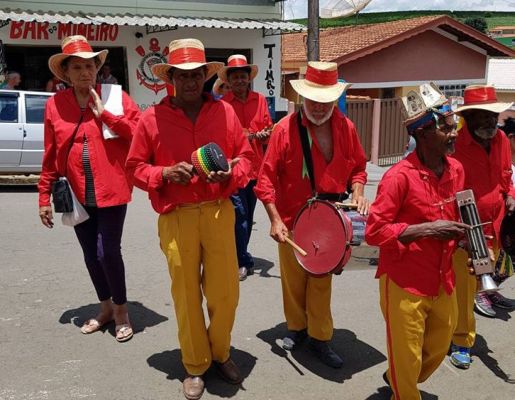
(294,338)
(325,354)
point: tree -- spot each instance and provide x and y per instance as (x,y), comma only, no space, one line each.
(478,23)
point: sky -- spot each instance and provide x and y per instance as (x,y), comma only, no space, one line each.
(298,8)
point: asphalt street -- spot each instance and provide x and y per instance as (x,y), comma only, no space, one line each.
(46,294)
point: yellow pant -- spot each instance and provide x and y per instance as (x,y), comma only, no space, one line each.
(419,331)
(306,298)
(466,287)
(191,236)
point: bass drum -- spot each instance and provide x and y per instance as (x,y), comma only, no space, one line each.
(326,232)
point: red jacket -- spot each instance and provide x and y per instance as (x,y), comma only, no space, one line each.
(410,194)
(165,137)
(281,180)
(107,157)
(488,175)
(254,116)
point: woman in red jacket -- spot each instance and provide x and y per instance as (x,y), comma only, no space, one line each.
(93,161)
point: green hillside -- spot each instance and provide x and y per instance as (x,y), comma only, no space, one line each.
(492,18)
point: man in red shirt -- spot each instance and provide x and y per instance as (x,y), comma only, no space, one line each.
(413,221)
(252,110)
(338,163)
(196,222)
(485,154)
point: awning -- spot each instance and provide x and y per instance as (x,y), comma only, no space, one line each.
(152,22)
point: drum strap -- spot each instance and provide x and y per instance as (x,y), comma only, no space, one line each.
(306,151)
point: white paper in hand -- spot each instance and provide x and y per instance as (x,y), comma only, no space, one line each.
(111,96)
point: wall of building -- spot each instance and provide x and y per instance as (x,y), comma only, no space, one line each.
(143,50)
(261,9)
(427,56)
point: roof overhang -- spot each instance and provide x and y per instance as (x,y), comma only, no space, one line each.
(153,23)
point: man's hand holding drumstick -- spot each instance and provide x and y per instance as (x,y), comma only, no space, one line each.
(278,230)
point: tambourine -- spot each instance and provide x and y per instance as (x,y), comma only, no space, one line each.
(326,231)
(209,158)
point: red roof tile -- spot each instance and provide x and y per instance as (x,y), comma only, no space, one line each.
(359,40)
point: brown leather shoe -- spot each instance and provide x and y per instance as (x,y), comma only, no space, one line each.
(193,387)
(229,371)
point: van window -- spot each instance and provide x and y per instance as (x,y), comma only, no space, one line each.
(35,108)
(8,108)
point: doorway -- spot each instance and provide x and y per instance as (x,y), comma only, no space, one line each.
(32,63)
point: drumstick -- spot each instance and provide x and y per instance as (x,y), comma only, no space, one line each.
(346,205)
(295,246)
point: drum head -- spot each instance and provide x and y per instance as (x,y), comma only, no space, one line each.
(321,231)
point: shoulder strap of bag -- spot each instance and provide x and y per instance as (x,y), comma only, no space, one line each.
(71,142)
(306,151)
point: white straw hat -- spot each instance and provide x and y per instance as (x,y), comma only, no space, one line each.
(237,61)
(186,54)
(482,97)
(320,82)
(73,46)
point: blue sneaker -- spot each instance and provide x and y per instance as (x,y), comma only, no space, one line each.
(460,357)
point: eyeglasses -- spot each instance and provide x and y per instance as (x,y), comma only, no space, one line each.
(447,128)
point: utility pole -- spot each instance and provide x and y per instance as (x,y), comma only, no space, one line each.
(313,31)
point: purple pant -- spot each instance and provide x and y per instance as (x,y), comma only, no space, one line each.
(100,237)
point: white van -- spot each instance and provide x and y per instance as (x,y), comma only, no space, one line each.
(21,131)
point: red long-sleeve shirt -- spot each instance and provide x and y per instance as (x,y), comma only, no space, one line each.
(488,175)
(281,180)
(254,116)
(410,194)
(106,157)
(165,136)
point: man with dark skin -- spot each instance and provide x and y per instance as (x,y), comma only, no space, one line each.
(484,151)
(196,221)
(414,221)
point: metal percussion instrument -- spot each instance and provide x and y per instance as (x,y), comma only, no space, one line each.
(326,231)
(478,250)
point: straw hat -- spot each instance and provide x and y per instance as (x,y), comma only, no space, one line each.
(185,54)
(482,97)
(320,82)
(237,61)
(76,46)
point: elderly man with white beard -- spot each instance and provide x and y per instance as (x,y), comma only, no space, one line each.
(284,186)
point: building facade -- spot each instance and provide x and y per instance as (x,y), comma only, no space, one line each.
(137,34)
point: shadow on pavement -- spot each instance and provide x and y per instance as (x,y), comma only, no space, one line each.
(18,188)
(385,393)
(357,355)
(262,266)
(503,314)
(141,317)
(482,351)
(169,362)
